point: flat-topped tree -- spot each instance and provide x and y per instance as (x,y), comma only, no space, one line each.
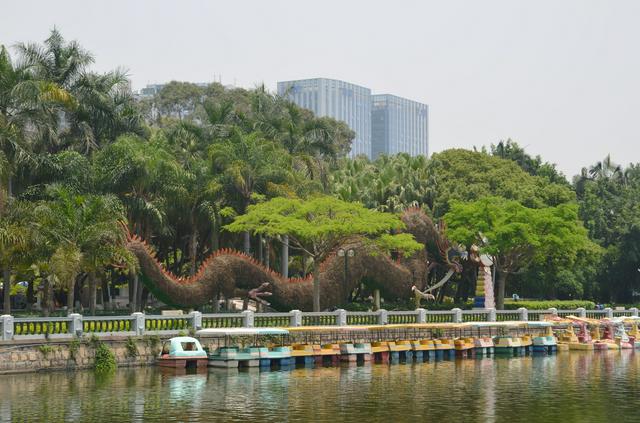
(320,225)
(519,236)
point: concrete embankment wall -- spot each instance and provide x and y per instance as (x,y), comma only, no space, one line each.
(30,356)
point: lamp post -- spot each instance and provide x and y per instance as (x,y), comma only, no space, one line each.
(346,254)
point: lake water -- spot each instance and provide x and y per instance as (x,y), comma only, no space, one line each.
(569,387)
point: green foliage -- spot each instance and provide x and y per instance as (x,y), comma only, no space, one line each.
(105,360)
(463,175)
(74,347)
(153,341)
(45,350)
(132,348)
(544,305)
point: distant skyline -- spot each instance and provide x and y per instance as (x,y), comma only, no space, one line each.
(559,77)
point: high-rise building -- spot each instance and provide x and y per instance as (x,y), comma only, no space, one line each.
(398,125)
(340,100)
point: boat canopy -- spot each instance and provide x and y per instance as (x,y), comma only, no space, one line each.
(220,332)
(184,346)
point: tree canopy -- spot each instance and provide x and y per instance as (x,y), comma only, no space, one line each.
(319,225)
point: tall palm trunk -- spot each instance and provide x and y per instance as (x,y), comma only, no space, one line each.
(502,282)
(46,297)
(316,286)
(246,242)
(284,257)
(193,251)
(71,295)
(6,273)
(93,291)
(133,294)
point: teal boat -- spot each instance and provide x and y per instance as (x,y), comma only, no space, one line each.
(181,352)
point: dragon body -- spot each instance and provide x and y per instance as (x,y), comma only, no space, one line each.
(230,273)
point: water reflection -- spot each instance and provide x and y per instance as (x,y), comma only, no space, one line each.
(576,386)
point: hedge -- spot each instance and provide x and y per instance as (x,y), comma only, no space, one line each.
(544,305)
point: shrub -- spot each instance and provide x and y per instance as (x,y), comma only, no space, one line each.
(105,360)
(132,348)
(45,350)
(74,346)
(544,305)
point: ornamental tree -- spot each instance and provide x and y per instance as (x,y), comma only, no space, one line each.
(320,225)
(519,236)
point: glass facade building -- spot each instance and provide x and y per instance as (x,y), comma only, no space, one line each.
(399,125)
(340,100)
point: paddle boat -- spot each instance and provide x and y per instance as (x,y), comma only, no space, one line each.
(182,352)
(355,351)
(615,331)
(464,347)
(423,349)
(508,345)
(634,333)
(258,347)
(444,348)
(546,342)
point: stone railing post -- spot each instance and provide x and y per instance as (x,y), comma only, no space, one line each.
(296,318)
(581,312)
(7,327)
(553,311)
(421,315)
(196,320)
(383,317)
(491,315)
(457,315)
(139,324)
(341,317)
(609,312)
(75,327)
(634,311)
(247,318)
(523,314)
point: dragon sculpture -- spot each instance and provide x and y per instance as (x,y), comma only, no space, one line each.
(232,273)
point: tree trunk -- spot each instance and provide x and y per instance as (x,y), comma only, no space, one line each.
(305,261)
(71,295)
(246,243)
(106,293)
(260,249)
(193,249)
(316,286)
(284,257)
(215,238)
(502,282)
(93,293)
(216,303)
(6,273)
(376,299)
(31,298)
(139,297)
(267,260)
(133,294)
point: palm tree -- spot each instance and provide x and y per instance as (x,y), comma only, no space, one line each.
(84,234)
(606,169)
(250,167)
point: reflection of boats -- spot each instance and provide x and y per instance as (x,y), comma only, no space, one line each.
(247,347)
(182,352)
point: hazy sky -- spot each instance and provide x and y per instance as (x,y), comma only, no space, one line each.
(560,77)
